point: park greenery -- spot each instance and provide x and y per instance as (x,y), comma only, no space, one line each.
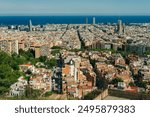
(147,52)
(115,81)
(9,66)
(56,47)
(103,50)
(29,57)
(92,95)
(49,63)
(132,84)
(55,50)
(9,71)
(47,94)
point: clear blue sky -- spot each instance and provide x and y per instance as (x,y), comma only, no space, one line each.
(71,7)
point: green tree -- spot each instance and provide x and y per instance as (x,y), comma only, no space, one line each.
(3,90)
(55,51)
(56,47)
(4,58)
(142,84)
(7,77)
(27,54)
(92,95)
(47,94)
(28,72)
(116,80)
(131,84)
(147,52)
(42,59)
(9,71)
(51,63)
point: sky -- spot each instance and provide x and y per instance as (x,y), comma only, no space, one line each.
(74,7)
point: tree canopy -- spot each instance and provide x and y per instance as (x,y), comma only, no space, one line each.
(9,71)
(147,52)
(9,66)
(116,80)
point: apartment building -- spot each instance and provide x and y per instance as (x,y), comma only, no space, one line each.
(9,46)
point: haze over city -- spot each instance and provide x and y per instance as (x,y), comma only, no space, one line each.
(74,7)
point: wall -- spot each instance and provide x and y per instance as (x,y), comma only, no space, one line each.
(128,95)
(102,95)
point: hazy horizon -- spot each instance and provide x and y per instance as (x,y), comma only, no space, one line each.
(3,15)
(74,7)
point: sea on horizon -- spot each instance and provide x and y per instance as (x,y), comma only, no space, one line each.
(36,20)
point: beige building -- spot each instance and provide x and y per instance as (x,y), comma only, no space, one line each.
(41,50)
(9,46)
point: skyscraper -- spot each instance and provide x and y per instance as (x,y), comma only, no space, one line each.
(124,26)
(30,25)
(94,20)
(119,27)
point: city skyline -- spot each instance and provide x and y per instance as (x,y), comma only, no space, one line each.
(78,7)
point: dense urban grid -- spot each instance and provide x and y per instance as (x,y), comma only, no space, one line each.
(74,61)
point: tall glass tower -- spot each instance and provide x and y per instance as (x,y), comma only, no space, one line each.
(119,27)
(30,25)
(94,20)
